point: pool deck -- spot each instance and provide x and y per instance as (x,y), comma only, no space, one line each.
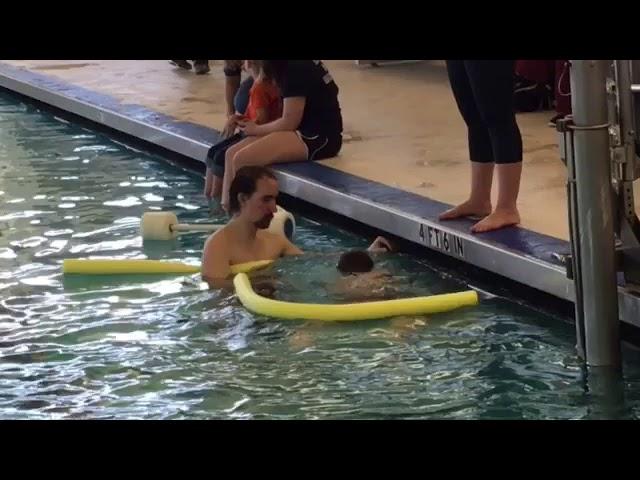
(404,159)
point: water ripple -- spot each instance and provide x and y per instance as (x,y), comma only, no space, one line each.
(167,347)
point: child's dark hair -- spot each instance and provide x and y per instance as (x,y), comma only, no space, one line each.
(275,70)
(245,181)
(356,261)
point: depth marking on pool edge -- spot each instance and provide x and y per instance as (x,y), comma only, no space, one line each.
(440,240)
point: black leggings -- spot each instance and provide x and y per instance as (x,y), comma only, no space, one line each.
(483,90)
(217,154)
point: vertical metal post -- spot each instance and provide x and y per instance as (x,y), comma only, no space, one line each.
(594,213)
(606,392)
(566,152)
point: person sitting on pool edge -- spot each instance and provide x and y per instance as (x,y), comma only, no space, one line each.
(252,203)
(265,105)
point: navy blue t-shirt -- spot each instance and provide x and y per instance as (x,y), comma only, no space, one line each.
(312,80)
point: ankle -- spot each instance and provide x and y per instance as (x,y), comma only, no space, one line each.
(509,208)
(483,202)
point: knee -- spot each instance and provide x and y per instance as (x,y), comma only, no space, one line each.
(501,121)
(239,159)
(500,114)
(504,129)
(229,156)
(233,162)
(478,127)
(218,159)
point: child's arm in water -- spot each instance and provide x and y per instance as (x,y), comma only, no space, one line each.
(380,244)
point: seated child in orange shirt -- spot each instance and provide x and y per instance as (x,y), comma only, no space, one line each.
(265,105)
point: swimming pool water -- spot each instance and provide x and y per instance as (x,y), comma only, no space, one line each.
(167,347)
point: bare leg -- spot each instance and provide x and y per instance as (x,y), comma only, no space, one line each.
(479,202)
(492,85)
(232,150)
(228,176)
(506,212)
(217,187)
(208,184)
(277,147)
(212,185)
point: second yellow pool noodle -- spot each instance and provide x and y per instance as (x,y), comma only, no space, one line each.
(352,311)
(141,267)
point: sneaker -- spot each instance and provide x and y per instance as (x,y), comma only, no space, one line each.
(181,63)
(202,68)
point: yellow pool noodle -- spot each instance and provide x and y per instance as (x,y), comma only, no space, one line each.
(351,311)
(138,267)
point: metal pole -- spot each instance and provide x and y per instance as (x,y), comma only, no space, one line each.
(595,212)
(567,151)
(606,392)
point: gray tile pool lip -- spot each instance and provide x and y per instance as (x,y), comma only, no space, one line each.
(516,253)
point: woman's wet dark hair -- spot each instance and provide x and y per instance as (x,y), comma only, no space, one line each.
(356,261)
(246,181)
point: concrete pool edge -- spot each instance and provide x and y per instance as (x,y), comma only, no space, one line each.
(517,254)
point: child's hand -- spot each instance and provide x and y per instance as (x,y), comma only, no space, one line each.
(231,125)
(249,128)
(380,244)
(229,128)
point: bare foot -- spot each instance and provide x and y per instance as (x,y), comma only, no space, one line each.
(467,209)
(496,220)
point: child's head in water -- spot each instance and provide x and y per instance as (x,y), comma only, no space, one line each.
(356,261)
